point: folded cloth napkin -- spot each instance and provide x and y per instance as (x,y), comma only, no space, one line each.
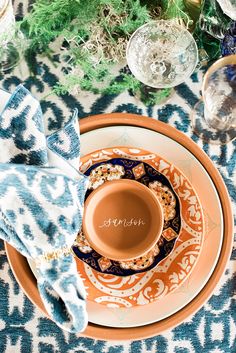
(41,203)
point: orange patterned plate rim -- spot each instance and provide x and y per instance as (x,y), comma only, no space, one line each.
(171,272)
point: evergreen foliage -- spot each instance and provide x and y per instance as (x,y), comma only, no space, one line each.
(93,36)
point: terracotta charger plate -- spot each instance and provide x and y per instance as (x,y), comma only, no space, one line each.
(27,280)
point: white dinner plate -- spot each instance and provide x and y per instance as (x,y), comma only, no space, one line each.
(183,159)
(201,181)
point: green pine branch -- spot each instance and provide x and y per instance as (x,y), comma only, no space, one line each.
(94,34)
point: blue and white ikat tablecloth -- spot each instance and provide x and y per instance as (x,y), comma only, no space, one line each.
(23,328)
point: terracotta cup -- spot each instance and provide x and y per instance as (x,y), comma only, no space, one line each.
(122,220)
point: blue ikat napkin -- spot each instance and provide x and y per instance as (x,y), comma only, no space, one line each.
(41,203)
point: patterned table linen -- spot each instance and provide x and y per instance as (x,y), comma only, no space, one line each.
(41,206)
(212,329)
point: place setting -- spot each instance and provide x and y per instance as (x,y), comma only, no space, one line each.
(117,225)
(142,250)
(135,195)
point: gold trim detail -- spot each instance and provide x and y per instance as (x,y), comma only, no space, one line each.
(56,254)
(226,60)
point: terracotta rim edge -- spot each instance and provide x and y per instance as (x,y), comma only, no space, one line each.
(27,280)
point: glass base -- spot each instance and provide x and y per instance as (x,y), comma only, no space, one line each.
(12,47)
(9,57)
(153,96)
(207,133)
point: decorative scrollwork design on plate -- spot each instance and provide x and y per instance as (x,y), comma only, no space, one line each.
(185,234)
(104,172)
(165,197)
(145,174)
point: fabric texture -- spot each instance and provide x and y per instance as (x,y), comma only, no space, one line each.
(41,207)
